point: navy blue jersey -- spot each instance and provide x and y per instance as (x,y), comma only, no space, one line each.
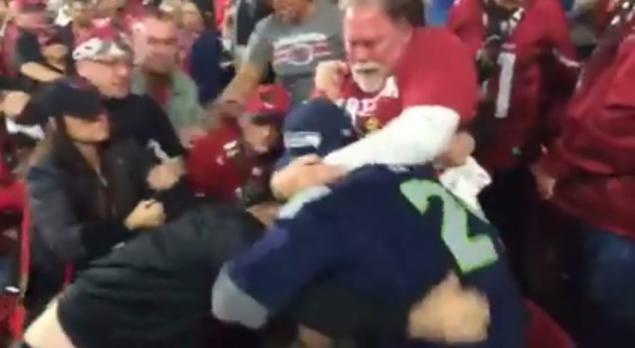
(389,233)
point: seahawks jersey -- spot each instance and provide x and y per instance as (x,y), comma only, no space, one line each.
(389,233)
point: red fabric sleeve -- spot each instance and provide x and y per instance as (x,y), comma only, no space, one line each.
(221,6)
(466,21)
(203,168)
(603,141)
(441,72)
(12,197)
(559,29)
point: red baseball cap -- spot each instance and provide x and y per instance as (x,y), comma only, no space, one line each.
(270,102)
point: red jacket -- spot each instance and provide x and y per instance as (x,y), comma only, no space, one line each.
(594,159)
(540,57)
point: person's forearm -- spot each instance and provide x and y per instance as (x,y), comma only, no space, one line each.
(417,136)
(39,72)
(241,87)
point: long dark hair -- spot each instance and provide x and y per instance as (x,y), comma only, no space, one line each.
(89,193)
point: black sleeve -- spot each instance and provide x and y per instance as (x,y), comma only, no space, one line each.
(28,50)
(161,130)
(176,200)
(58,226)
(338,312)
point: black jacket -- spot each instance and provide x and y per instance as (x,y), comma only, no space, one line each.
(78,216)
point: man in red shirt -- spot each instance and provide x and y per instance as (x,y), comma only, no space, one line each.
(234,162)
(589,171)
(527,69)
(417,84)
(519,46)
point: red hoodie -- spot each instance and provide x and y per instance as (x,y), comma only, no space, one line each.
(594,158)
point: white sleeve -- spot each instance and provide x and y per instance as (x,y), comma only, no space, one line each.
(417,136)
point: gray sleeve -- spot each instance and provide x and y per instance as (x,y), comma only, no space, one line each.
(260,48)
(231,304)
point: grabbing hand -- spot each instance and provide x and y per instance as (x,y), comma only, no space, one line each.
(450,314)
(190,135)
(461,147)
(164,176)
(329,77)
(222,109)
(545,183)
(147,214)
(14,102)
(302,173)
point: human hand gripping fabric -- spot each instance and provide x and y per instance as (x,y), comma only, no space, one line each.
(164,176)
(302,173)
(545,183)
(146,215)
(329,77)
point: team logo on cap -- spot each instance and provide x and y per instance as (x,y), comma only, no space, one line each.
(295,140)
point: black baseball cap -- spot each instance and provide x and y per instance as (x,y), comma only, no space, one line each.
(315,127)
(72,97)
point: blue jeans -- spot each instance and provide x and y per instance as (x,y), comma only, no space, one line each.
(608,283)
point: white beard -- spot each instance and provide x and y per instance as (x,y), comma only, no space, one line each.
(369,83)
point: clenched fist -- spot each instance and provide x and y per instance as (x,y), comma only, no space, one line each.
(147,214)
(303,173)
(164,176)
(329,77)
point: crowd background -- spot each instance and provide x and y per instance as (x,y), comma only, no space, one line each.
(205,85)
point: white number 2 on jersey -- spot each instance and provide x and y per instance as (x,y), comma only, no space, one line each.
(506,61)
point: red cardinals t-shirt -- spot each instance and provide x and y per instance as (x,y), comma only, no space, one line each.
(436,69)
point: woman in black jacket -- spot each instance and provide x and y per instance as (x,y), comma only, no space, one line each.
(87,194)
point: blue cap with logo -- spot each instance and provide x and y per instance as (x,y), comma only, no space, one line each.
(315,127)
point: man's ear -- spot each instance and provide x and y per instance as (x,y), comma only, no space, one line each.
(405,27)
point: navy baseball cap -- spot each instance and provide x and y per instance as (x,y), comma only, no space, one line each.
(315,127)
(72,97)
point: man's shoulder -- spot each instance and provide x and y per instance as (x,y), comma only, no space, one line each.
(430,49)
(268,25)
(370,181)
(184,83)
(144,102)
(433,38)
(372,174)
(329,12)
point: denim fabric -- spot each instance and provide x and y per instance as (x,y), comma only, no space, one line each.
(608,283)
(610,280)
